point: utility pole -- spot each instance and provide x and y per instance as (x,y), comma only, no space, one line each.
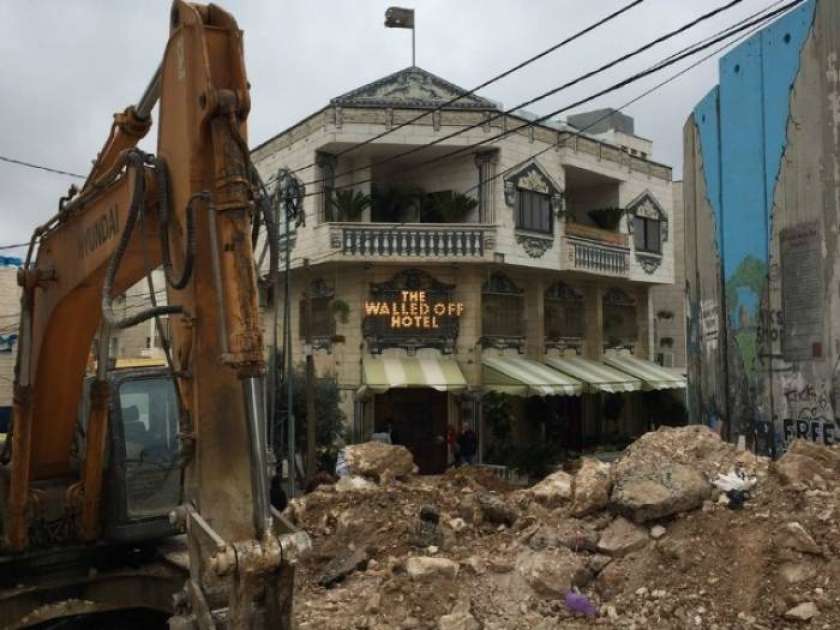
(311,412)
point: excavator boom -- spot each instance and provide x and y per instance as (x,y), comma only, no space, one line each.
(189,208)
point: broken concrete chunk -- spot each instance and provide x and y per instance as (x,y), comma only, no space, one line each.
(343,565)
(795,537)
(591,487)
(496,511)
(622,537)
(379,461)
(552,491)
(647,491)
(420,567)
(803,612)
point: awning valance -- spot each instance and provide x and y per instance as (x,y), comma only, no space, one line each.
(596,376)
(380,375)
(523,377)
(653,376)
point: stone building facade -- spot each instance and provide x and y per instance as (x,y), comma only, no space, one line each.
(9,321)
(418,302)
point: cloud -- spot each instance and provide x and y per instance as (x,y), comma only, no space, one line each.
(67,67)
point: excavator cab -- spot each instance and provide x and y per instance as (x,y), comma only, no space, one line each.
(143,463)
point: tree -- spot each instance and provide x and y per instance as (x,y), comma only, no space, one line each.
(329,417)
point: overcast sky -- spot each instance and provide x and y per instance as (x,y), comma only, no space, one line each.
(68,66)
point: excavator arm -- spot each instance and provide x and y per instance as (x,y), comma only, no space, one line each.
(189,208)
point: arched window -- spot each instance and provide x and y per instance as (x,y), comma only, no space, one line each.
(563,313)
(502,308)
(320,323)
(621,325)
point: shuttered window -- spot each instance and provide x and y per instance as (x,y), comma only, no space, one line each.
(533,212)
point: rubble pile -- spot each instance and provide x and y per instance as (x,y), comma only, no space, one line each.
(649,541)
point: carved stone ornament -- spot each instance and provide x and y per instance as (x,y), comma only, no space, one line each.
(565,343)
(503,343)
(618,297)
(533,177)
(534,246)
(413,87)
(649,262)
(563,292)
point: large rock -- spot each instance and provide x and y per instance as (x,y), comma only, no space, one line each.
(460,618)
(591,487)
(420,567)
(552,491)
(795,572)
(379,461)
(496,511)
(795,537)
(803,612)
(649,491)
(552,573)
(355,484)
(622,537)
(808,464)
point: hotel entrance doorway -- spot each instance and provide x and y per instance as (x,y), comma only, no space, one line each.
(418,422)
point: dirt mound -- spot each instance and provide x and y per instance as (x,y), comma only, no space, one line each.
(465,551)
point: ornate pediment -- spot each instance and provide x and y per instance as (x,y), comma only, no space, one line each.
(534,177)
(411,87)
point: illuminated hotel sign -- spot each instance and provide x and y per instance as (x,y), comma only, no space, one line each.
(411,310)
(414,310)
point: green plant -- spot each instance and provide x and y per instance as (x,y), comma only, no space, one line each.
(454,207)
(348,205)
(498,420)
(329,424)
(536,460)
(395,203)
(606,218)
(340,310)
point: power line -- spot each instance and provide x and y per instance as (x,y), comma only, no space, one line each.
(757,25)
(14,246)
(671,60)
(496,78)
(40,167)
(551,92)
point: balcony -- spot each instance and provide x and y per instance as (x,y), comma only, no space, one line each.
(412,240)
(595,250)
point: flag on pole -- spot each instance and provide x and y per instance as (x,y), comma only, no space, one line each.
(396,17)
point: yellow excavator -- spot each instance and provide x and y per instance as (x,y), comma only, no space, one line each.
(148,487)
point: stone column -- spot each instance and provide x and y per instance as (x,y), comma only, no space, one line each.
(644,313)
(326,163)
(593,322)
(486,162)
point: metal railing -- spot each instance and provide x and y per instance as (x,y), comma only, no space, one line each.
(444,240)
(588,256)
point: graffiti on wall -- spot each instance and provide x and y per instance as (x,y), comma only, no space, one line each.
(773,335)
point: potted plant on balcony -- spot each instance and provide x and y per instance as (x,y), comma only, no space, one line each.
(606,218)
(394,204)
(454,208)
(348,205)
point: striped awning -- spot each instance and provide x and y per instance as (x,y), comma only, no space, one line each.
(596,376)
(653,376)
(524,377)
(380,375)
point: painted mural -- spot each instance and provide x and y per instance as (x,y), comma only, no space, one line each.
(762,176)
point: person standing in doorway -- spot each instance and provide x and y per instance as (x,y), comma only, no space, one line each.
(467,445)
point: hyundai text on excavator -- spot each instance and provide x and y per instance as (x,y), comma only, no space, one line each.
(110,483)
